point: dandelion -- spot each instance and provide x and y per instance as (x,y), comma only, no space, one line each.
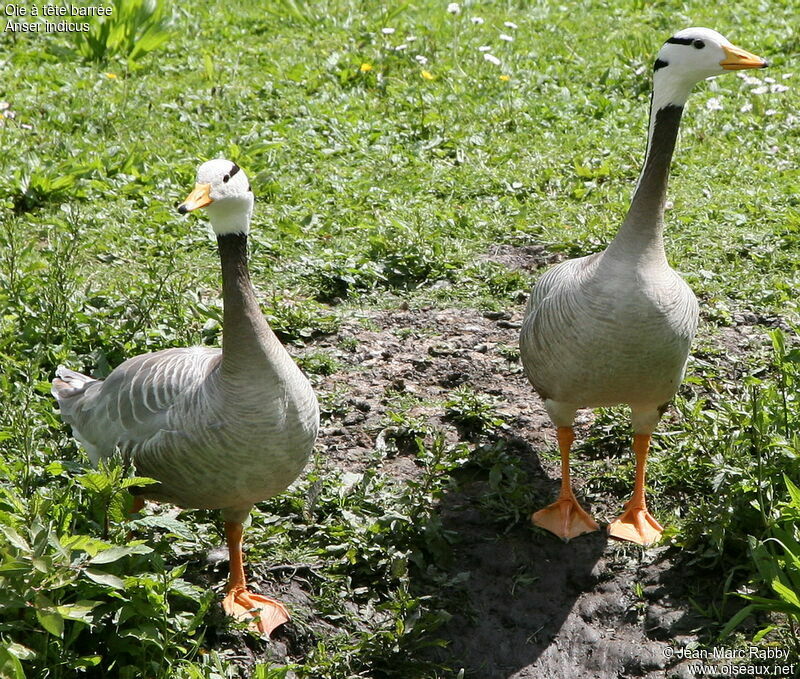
(506,37)
(476,20)
(505,78)
(421,60)
(387,31)
(111,75)
(484,48)
(492,59)
(365,67)
(427,75)
(454,8)
(714,104)
(511,25)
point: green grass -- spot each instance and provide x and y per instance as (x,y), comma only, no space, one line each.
(371,185)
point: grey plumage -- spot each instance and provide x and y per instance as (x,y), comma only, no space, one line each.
(219,429)
(615,327)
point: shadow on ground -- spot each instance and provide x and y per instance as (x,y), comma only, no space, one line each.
(535,607)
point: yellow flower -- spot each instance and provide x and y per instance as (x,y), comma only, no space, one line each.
(111,75)
(427,75)
(505,78)
(365,67)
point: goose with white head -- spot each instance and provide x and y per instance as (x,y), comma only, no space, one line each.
(615,327)
(218,429)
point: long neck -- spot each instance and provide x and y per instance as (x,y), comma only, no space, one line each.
(641,233)
(248,343)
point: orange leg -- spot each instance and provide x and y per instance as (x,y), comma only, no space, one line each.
(636,524)
(565,517)
(264,614)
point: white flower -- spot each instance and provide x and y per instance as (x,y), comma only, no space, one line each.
(411,38)
(746,108)
(769,80)
(484,48)
(787,75)
(770,112)
(777,87)
(748,79)
(25,126)
(4,105)
(387,31)
(506,37)
(400,48)
(510,24)
(491,58)
(454,8)
(759,90)
(421,60)
(714,104)
(476,20)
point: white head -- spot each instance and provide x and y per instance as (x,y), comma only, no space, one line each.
(223,189)
(691,55)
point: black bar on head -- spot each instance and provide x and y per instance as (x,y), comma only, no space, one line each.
(234,170)
(660,63)
(680,41)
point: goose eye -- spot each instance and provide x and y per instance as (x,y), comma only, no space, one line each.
(226,178)
(698,44)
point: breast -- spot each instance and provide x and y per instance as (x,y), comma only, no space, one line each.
(598,340)
(219,452)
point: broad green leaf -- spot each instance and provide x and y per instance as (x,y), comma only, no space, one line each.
(786,593)
(77,611)
(794,491)
(10,666)
(104,578)
(15,538)
(51,621)
(116,553)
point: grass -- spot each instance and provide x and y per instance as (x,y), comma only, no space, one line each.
(373,184)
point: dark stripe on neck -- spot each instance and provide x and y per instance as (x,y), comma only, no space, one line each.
(680,41)
(660,63)
(648,201)
(233,256)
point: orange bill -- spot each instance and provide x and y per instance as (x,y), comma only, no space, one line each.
(737,59)
(199,197)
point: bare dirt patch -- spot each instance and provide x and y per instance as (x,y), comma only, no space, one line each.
(532,606)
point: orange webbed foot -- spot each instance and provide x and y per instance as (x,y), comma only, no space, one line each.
(264,614)
(565,518)
(637,525)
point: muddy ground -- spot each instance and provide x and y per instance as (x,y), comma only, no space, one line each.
(577,615)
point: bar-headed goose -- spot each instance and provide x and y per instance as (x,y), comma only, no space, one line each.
(218,429)
(615,327)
